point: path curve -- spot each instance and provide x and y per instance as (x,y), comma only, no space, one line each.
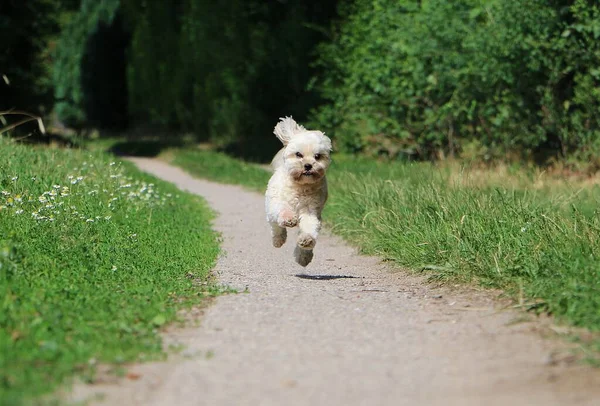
(376,336)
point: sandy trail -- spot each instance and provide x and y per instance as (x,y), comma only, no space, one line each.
(373,336)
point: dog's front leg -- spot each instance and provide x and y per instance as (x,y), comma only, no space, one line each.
(280,216)
(309,230)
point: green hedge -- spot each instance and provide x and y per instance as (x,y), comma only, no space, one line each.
(24,39)
(224,70)
(429,78)
(88,86)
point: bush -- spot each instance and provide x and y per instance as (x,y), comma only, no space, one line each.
(225,70)
(89,72)
(26,28)
(429,78)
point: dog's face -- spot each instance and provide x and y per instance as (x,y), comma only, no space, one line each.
(306,157)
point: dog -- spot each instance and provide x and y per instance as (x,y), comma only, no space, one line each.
(297,191)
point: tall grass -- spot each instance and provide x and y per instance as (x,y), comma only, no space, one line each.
(542,242)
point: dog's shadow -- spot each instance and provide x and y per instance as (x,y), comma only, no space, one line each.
(323,277)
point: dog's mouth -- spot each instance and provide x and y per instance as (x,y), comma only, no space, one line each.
(307,175)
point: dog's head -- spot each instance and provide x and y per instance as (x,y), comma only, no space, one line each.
(306,157)
(306,153)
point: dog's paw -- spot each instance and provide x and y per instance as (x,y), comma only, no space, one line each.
(306,241)
(303,257)
(288,219)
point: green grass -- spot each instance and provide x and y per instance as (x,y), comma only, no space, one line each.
(94,258)
(534,237)
(220,167)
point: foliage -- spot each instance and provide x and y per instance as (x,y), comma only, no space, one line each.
(89,77)
(26,29)
(420,79)
(94,258)
(226,70)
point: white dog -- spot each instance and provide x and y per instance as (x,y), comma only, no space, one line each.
(297,191)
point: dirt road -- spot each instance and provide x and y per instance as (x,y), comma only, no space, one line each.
(346,330)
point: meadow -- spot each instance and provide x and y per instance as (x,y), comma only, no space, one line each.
(95,258)
(532,234)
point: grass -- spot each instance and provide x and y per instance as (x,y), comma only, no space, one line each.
(220,167)
(95,257)
(533,235)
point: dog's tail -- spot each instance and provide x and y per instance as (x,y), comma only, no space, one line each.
(286,129)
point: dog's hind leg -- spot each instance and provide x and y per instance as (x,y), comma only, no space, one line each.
(278,235)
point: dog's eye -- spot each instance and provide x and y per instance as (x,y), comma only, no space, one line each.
(298,154)
(317,156)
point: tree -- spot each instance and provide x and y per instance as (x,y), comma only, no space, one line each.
(26,29)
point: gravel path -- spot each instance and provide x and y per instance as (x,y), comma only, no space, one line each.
(346,330)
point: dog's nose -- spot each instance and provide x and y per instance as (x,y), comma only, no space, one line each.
(308,167)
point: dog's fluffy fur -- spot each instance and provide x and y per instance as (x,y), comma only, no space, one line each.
(297,191)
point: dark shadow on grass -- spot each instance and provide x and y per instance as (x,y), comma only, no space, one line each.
(145,147)
(47,139)
(324,277)
(261,150)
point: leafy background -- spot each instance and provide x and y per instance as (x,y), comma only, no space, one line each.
(425,79)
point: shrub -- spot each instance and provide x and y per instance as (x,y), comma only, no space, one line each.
(426,79)
(89,72)
(26,28)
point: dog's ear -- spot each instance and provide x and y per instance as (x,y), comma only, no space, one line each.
(286,129)
(326,142)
